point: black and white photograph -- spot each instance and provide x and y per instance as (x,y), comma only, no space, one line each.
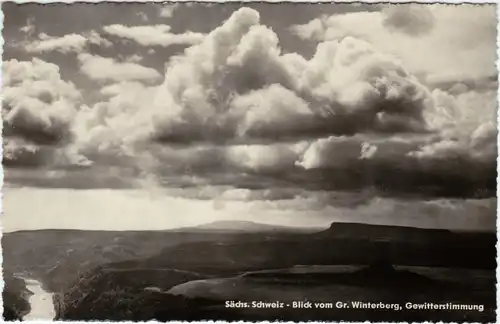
(249,161)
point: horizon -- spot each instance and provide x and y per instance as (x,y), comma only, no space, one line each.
(201,227)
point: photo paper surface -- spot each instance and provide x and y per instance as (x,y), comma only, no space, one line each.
(249,162)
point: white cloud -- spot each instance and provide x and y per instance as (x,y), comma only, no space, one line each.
(445,45)
(265,157)
(330,152)
(466,124)
(107,69)
(95,38)
(167,11)
(134,58)
(367,151)
(153,35)
(235,102)
(237,87)
(29,28)
(143,16)
(122,89)
(37,103)
(65,44)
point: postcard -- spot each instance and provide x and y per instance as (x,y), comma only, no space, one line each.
(249,161)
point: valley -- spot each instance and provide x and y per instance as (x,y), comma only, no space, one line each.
(188,274)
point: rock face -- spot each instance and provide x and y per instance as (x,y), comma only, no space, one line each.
(15,298)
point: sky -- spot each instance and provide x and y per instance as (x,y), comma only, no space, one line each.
(156,116)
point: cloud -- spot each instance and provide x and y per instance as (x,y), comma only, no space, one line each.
(413,20)
(122,89)
(134,58)
(393,31)
(467,128)
(107,69)
(21,153)
(37,104)
(238,80)
(234,109)
(65,44)
(142,16)
(29,28)
(96,39)
(167,11)
(313,30)
(367,151)
(237,87)
(257,158)
(153,35)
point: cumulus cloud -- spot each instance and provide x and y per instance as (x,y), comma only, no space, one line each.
(153,35)
(237,87)
(95,38)
(142,16)
(313,30)
(16,151)
(22,153)
(65,44)
(107,69)
(235,109)
(467,124)
(29,28)
(167,11)
(367,151)
(134,58)
(258,158)
(393,31)
(37,104)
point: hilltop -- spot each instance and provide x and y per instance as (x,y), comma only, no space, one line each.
(244,226)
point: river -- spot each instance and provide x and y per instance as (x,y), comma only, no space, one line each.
(42,305)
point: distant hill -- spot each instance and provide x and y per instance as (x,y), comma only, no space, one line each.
(407,234)
(383,232)
(244,226)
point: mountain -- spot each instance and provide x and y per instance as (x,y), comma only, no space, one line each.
(383,232)
(244,226)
